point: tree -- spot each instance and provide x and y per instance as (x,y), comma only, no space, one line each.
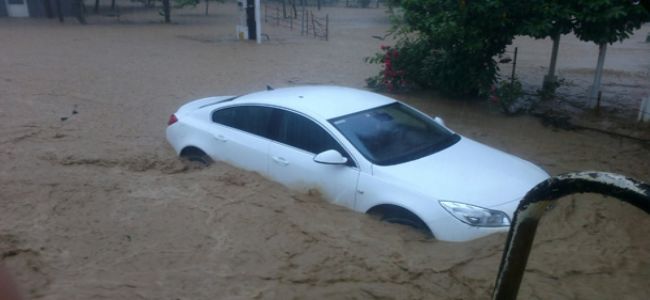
(194,3)
(606,22)
(450,45)
(550,18)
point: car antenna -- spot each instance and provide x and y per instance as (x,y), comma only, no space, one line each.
(269,88)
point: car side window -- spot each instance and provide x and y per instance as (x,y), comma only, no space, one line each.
(252,119)
(300,132)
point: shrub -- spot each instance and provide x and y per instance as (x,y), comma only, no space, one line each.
(450,45)
(392,76)
(507,95)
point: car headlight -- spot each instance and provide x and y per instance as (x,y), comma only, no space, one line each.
(476,216)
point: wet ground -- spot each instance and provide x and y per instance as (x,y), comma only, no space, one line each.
(95,204)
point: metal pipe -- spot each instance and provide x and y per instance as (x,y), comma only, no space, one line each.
(514,66)
(543,196)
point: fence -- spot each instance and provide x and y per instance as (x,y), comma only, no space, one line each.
(329,3)
(293,18)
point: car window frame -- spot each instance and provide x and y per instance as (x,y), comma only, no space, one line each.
(212,118)
(351,161)
(274,134)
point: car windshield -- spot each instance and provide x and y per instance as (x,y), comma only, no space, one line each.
(394,134)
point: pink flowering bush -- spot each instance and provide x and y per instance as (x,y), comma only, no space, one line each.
(392,76)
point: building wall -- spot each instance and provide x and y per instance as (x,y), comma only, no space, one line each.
(3,8)
(37,8)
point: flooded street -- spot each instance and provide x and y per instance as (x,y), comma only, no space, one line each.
(96,205)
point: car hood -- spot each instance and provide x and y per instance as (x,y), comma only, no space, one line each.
(467,172)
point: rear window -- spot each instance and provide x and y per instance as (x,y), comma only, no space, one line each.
(252,119)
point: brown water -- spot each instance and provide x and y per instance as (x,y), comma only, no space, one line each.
(98,205)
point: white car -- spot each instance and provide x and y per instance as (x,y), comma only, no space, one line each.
(361,150)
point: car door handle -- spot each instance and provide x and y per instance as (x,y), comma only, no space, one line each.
(281,160)
(220,138)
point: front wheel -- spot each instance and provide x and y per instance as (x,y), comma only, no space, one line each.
(398,215)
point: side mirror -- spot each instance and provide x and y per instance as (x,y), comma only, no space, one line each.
(440,121)
(330,157)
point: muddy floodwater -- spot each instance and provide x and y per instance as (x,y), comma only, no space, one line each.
(94,204)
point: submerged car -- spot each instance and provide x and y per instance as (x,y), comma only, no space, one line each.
(361,150)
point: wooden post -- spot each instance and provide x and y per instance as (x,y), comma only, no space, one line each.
(514,66)
(258,21)
(166,10)
(600,94)
(302,22)
(327,27)
(313,25)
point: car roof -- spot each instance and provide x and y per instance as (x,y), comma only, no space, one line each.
(323,101)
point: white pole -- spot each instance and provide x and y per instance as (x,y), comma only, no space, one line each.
(258,23)
(599,74)
(550,78)
(644,110)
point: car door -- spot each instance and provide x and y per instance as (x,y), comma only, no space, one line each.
(291,159)
(240,137)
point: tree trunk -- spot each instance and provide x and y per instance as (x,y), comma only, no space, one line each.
(595,88)
(79,11)
(318,2)
(207,6)
(59,10)
(284,9)
(550,79)
(48,9)
(295,11)
(166,11)
(112,4)
(96,9)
